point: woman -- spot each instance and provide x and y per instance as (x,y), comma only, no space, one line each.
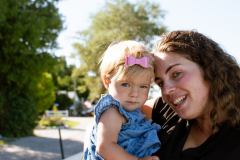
(201,85)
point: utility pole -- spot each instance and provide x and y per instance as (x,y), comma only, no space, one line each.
(75,95)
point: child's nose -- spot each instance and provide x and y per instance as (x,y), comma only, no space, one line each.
(134,92)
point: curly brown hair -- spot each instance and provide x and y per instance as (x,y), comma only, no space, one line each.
(220,69)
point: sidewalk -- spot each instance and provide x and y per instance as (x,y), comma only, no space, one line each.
(77,156)
(45,145)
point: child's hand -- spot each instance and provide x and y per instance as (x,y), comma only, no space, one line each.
(149,158)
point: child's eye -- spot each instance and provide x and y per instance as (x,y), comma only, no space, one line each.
(125,85)
(143,86)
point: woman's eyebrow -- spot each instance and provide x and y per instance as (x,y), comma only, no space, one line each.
(171,66)
(156,79)
(168,69)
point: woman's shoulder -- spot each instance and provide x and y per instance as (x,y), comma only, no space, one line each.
(163,114)
(225,144)
(147,108)
(152,107)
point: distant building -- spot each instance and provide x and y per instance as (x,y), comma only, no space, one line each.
(71,95)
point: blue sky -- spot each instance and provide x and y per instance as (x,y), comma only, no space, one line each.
(217,19)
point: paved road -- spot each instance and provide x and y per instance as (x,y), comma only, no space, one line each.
(45,145)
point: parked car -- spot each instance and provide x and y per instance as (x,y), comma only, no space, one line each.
(89,112)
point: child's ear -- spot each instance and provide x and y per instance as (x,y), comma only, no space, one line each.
(106,81)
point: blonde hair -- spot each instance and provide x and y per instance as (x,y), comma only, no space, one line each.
(113,60)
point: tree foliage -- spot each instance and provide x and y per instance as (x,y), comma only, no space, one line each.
(45,95)
(28,32)
(117,20)
(63,77)
(64,101)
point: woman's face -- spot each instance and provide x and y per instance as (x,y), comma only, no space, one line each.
(182,85)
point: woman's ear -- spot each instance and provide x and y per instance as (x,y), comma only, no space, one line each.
(106,81)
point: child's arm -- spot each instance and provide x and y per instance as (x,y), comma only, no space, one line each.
(87,135)
(109,126)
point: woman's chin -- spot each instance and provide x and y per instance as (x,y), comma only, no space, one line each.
(185,115)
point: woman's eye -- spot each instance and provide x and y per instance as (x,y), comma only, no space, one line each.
(160,84)
(125,85)
(176,74)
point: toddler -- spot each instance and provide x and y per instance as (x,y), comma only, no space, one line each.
(120,130)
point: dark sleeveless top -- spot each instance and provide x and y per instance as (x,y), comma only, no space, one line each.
(224,145)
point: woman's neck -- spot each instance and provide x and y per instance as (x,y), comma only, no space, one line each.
(202,128)
(200,131)
(204,122)
(203,125)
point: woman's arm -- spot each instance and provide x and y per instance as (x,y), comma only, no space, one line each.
(147,108)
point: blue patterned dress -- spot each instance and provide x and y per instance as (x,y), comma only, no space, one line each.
(138,137)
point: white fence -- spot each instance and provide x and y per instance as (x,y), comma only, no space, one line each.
(58,113)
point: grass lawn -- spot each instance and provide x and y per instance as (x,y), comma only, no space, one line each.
(56,121)
(71,123)
(6,140)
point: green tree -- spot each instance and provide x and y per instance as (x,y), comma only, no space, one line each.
(45,95)
(64,101)
(117,20)
(62,74)
(63,77)
(28,32)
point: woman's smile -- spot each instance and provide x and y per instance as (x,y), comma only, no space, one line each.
(179,102)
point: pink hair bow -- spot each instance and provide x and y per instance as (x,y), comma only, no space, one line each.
(130,60)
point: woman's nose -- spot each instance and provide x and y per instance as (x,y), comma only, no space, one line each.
(168,88)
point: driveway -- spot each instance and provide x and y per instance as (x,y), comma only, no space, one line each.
(45,144)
